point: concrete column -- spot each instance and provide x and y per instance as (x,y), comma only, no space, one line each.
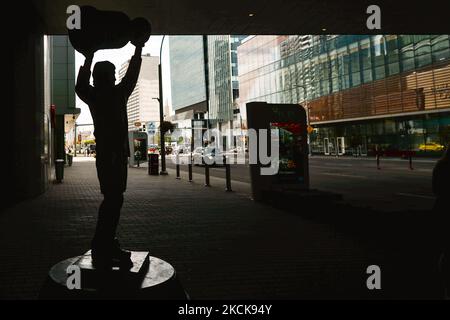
(28,165)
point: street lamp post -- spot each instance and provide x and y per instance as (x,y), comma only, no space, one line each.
(307,115)
(161,113)
(75,140)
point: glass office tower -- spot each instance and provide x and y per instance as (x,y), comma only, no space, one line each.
(204,78)
(187,71)
(361,92)
(220,86)
(223,77)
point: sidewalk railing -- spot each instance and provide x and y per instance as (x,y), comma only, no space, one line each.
(206,171)
(404,155)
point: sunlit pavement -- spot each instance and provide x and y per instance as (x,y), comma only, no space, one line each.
(223,245)
(82,158)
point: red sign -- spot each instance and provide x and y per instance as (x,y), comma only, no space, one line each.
(53,115)
(293,127)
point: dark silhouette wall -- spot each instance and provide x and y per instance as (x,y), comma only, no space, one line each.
(26,172)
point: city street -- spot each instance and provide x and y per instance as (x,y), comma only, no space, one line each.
(393,187)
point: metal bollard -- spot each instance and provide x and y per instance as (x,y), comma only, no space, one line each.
(59,166)
(178,172)
(178,167)
(410,163)
(378,162)
(227,174)
(190,170)
(207,184)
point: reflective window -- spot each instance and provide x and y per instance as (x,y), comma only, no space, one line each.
(365,53)
(393,68)
(408,64)
(187,69)
(380,72)
(272,67)
(356,79)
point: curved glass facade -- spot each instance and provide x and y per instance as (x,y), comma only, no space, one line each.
(350,78)
(274,68)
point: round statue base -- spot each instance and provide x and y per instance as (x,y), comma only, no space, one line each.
(159,282)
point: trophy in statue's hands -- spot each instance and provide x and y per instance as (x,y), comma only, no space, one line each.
(107,30)
(140,31)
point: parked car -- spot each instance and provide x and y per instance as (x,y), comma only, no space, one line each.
(182,149)
(208,155)
(169,150)
(431,146)
(91,149)
(197,156)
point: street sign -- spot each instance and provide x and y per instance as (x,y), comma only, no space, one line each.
(151,128)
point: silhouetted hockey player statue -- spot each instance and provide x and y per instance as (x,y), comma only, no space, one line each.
(108,105)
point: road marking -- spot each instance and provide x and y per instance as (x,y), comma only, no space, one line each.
(389,169)
(415,195)
(343,175)
(333,158)
(331,165)
(423,170)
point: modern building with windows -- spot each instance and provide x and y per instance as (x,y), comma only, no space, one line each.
(223,80)
(204,79)
(187,74)
(59,73)
(142,107)
(361,92)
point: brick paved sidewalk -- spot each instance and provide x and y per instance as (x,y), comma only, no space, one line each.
(223,245)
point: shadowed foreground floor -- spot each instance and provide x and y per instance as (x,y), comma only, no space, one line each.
(223,245)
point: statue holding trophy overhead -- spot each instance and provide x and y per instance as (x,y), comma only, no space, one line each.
(108,105)
(107,269)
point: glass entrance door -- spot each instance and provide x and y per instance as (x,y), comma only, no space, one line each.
(363,146)
(340,146)
(326,146)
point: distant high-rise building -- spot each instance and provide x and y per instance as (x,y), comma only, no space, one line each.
(187,73)
(204,78)
(222,79)
(142,106)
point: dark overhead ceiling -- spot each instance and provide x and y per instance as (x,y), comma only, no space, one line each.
(269,16)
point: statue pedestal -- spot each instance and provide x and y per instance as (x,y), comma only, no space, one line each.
(92,278)
(149,278)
